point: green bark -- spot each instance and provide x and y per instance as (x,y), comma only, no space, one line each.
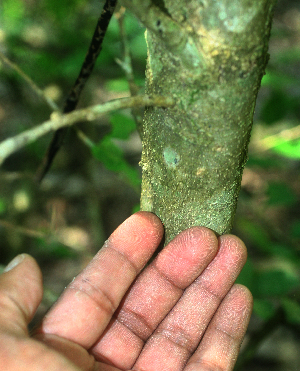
(194,153)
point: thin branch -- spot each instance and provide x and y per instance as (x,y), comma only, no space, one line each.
(273,141)
(58,121)
(85,72)
(84,138)
(48,237)
(91,56)
(25,231)
(30,82)
(126,65)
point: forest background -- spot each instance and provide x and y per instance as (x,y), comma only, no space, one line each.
(94,183)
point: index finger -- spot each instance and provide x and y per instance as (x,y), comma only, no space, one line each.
(86,306)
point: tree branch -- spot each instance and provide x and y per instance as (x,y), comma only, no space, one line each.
(271,141)
(30,82)
(126,65)
(175,37)
(58,121)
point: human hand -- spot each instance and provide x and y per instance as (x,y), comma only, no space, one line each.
(181,313)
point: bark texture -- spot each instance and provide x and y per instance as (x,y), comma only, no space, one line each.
(210,56)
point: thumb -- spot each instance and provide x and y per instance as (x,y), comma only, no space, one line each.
(21,292)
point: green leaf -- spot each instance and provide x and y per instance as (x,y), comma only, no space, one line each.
(113,159)
(12,15)
(109,154)
(113,31)
(288,148)
(263,308)
(133,26)
(275,282)
(280,194)
(139,47)
(278,80)
(292,310)
(122,126)
(117,85)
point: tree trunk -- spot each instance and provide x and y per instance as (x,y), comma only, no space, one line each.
(210,56)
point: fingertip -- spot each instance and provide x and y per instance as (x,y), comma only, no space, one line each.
(236,310)
(24,263)
(32,270)
(187,255)
(137,238)
(244,293)
(21,291)
(140,229)
(196,234)
(196,239)
(14,262)
(202,234)
(153,220)
(235,245)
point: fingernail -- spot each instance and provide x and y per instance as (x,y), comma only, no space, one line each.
(17,260)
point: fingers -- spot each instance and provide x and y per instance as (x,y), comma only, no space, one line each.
(21,292)
(178,335)
(221,343)
(85,308)
(153,295)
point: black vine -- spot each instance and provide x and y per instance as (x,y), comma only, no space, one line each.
(85,72)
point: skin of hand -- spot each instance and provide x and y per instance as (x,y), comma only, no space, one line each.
(182,312)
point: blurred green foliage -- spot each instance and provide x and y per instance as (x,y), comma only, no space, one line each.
(268,217)
(48,39)
(280,193)
(111,155)
(273,269)
(53,38)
